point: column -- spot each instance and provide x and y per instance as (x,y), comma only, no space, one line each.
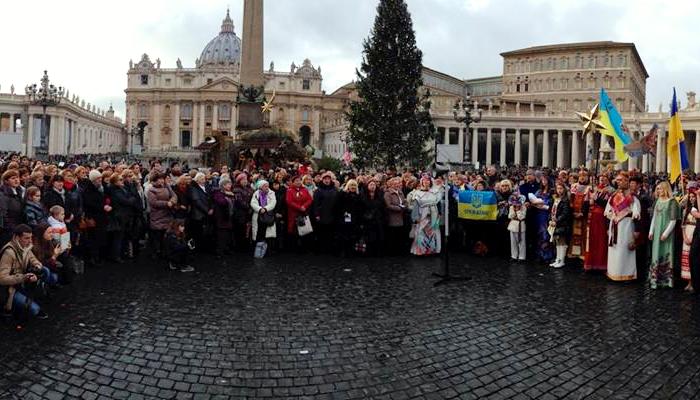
(660,154)
(460,143)
(696,161)
(503,146)
(475,145)
(590,157)
(489,137)
(215,116)
(574,149)
(645,163)
(194,136)
(531,156)
(202,110)
(518,144)
(545,148)
(175,131)
(560,148)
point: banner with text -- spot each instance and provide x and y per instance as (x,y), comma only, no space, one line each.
(477,205)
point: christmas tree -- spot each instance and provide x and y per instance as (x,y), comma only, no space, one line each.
(391,125)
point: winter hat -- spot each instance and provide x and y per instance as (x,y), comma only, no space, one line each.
(240,177)
(261,183)
(94,174)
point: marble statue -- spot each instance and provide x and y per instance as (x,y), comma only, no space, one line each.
(12,89)
(178,63)
(691,100)
(158,63)
(272,66)
(294,67)
(131,64)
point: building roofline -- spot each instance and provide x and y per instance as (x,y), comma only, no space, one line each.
(578,46)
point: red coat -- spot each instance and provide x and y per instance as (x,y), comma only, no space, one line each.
(297,197)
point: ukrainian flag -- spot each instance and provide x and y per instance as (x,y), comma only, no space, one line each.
(677,153)
(477,205)
(612,120)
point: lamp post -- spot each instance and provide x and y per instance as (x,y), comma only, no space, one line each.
(44,95)
(133,132)
(466,113)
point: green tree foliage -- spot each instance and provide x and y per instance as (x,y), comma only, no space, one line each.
(391,125)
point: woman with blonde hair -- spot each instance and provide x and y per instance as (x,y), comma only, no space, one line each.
(663,223)
(423,203)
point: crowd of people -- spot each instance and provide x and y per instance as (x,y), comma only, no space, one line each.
(57,217)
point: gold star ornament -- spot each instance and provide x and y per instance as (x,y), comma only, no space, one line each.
(267,106)
(590,121)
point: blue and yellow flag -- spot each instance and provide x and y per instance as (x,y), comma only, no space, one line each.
(612,120)
(477,205)
(677,153)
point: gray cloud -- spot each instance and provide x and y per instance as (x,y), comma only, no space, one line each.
(90,49)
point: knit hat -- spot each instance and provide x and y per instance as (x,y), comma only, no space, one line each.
(94,174)
(261,183)
(240,177)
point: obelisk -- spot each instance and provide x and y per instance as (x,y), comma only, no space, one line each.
(252,53)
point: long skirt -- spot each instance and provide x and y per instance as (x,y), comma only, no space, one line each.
(545,247)
(623,260)
(426,238)
(688,230)
(596,257)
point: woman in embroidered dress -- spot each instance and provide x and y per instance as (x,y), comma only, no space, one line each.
(622,209)
(424,212)
(661,236)
(689,221)
(596,254)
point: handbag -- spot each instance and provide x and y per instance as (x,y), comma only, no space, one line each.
(86,223)
(260,249)
(304,225)
(266,219)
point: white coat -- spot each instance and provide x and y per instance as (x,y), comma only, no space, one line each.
(271,231)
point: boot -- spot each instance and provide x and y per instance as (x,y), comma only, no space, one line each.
(561,254)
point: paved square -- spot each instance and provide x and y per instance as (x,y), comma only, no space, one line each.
(322,327)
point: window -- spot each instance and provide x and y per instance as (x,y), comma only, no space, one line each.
(208,112)
(305,84)
(305,115)
(517,87)
(185,139)
(224,112)
(527,87)
(144,79)
(167,81)
(186,111)
(143,111)
(281,85)
(187,81)
(209,80)
(440,137)
(454,136)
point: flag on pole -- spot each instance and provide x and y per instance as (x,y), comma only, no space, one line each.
(612,120)
(677,153)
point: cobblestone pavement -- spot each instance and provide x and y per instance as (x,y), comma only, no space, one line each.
(323,327)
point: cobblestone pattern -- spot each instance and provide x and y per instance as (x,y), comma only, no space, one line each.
(328,328)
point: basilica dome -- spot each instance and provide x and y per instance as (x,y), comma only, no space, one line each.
(224,49)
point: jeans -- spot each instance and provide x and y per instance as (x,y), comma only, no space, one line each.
(20,303)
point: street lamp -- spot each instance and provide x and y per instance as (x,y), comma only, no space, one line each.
(134,132)
(45,95)
(467,113)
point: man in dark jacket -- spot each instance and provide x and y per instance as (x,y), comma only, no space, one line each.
(56,196)
(200,209)
(323,211)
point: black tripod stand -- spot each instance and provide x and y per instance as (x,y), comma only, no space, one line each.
(445,277)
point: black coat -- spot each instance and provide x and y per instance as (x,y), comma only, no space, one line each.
(349,205)
(323,207)
(124,207)
(52,198)
(200,203)
(11,207)
(563,219)
(93,204)
(373,215)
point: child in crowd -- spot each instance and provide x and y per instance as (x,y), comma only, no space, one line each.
(516,226)
(177,250)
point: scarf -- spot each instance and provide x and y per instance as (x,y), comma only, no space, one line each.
(262,198)
(68,185)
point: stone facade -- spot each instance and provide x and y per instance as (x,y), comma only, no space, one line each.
(75,127)
(178,108)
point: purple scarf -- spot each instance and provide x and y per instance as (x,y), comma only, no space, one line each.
(262,198)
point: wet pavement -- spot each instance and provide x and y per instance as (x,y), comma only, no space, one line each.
(294,326)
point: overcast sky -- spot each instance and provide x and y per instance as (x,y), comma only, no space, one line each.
(86,45)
